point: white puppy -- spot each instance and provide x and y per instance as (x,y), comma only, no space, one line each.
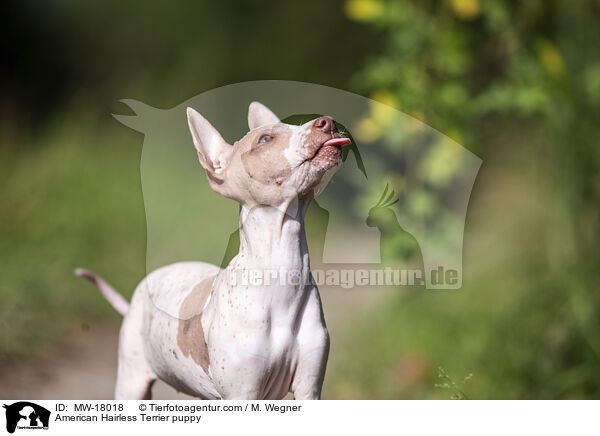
(254,330)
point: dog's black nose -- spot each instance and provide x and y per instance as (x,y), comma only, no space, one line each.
(325,123)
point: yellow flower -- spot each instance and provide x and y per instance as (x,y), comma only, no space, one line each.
(382,113)
(550,57)
(367,130)
(466,9)
(384,96)
(363,10)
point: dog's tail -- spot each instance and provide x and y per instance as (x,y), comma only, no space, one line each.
(114,298)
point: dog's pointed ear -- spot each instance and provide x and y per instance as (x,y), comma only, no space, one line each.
(260,115)
(213,152)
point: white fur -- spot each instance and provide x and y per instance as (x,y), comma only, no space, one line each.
(263,340)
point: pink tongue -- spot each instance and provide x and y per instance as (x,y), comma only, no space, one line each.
(338,142)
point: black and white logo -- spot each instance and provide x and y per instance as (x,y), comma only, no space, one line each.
(26,415)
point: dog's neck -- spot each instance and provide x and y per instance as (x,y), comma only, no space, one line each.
(274,237)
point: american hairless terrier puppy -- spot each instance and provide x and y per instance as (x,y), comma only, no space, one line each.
(235,338)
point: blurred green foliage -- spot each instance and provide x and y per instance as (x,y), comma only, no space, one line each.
(517,83)
(92,54)
(64,206)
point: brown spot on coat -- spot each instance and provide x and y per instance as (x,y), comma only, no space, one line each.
(190,334)
(267,162)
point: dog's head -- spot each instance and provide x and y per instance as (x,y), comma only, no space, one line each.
(274,162)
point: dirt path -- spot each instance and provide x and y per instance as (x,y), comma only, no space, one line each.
(85,363)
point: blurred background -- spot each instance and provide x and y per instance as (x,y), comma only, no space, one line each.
(518,84)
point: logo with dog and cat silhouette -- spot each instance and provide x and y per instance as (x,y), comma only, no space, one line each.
(24,415)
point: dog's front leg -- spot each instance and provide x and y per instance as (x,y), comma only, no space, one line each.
(308,379)
(313,349)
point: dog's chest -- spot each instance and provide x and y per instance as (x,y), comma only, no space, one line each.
(251,340)
(243,343)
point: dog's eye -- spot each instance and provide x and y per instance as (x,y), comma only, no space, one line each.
(264,138)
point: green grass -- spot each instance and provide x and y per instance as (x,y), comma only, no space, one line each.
(515,329)
(70,199)
(516,338)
